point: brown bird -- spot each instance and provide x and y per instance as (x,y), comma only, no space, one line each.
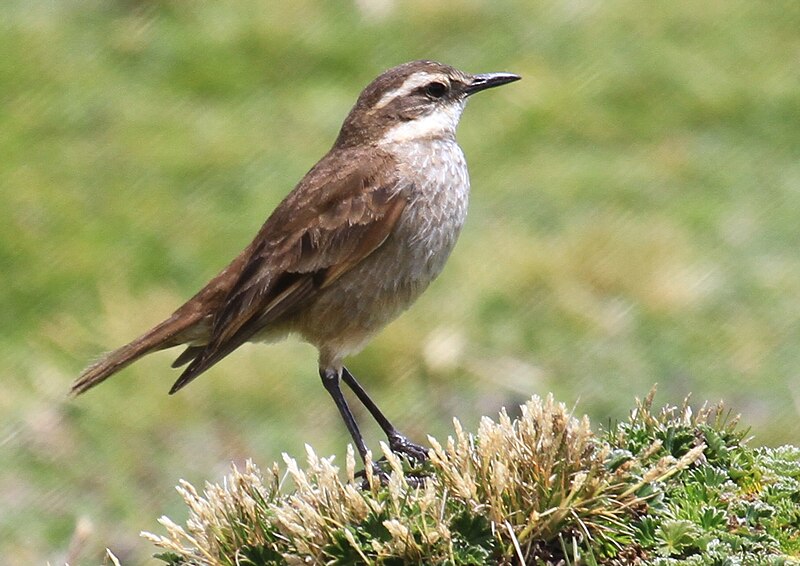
(359,238)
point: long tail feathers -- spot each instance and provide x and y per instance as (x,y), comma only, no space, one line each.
(160,337)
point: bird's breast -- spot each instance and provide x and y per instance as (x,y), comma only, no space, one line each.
(438,195)
(363,300)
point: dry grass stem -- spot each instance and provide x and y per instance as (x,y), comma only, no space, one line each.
(543,487)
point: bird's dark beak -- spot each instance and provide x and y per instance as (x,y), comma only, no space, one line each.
(489,80)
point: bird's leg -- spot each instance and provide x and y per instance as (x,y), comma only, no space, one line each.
(330,379)
(398,443)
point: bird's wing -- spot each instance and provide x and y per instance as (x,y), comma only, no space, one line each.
(326,226)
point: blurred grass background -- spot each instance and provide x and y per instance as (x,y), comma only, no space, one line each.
(634,220)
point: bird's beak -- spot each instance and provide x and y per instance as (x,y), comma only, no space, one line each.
(489,80)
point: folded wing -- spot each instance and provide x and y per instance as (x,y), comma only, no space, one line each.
(330,223)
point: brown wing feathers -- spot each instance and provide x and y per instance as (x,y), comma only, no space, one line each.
(292,258)
(331,221)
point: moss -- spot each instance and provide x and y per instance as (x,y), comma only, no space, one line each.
(675,486)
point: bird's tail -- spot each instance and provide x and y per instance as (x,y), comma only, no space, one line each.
(164,335)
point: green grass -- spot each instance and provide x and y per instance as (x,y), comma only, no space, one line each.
(633,220)
(677,486)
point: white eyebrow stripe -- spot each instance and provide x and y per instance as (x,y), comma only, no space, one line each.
(409,85)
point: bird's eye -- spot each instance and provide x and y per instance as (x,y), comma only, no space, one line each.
(435,90)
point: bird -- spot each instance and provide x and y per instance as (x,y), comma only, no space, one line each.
(356,241)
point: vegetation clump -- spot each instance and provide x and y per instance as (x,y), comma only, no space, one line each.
(665,487)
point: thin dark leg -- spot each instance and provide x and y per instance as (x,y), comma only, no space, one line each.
(330,379)
(387,427)
(397,442)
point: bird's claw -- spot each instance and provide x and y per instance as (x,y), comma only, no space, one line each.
(402,446)
(378,473)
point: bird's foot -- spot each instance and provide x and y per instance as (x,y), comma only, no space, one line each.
(413,478)
(402,446)
(378,473)
(413,458)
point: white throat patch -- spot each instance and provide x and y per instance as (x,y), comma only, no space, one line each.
(441,122)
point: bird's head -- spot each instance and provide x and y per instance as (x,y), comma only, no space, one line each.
(414,101)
